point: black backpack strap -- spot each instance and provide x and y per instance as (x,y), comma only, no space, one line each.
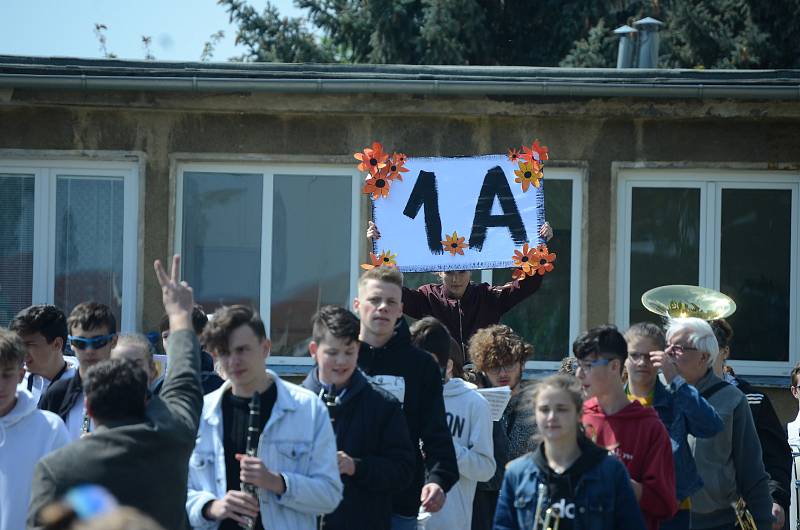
(713,389)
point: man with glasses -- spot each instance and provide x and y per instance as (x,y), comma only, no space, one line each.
(43,330)
(92,335)
(631,431)
(679,405)
(730,463)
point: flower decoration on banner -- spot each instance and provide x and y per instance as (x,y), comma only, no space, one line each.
(513,155)
(524,259)
(531,261)
(385,259)
(377,185)
(454,244)
(372,158)
(395,166)
(529,173)
(535,152)
(381,169)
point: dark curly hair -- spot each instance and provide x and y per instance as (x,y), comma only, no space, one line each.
(115,389)
(46,319)
(497,345)
(225,321)
(338,321)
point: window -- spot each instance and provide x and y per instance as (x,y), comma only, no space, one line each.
(68,234)
(549,319)
(282,239)
(733,231)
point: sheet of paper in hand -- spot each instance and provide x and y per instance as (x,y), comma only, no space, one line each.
(460,213)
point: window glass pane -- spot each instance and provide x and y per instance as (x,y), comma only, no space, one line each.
(310,254)
(16,244)
(543,319)
(221,238)
(665,243)
(755,263)
(89,218)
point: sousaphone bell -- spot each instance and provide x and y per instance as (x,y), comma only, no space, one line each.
(680,301)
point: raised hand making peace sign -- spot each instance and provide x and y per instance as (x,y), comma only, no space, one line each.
(176,295)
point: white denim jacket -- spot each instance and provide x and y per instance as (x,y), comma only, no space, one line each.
(297,442)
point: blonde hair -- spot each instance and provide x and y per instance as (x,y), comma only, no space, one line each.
(382,274)
(564,383)
(646,330)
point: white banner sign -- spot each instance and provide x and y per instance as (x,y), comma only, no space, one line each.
(491,211)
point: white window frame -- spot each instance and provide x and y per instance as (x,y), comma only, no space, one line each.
(45,172)
(711,182)
(268,170)
(577,176)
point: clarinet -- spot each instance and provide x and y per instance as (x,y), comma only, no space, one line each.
(253,434)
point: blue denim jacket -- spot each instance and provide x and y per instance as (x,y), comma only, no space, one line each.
(684,411)
(603,500)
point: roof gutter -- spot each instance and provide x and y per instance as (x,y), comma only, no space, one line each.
(687,90)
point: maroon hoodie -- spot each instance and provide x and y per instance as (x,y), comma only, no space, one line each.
(481,305)
(636,435)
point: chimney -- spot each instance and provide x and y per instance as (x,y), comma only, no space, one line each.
(648,42)
(626,46)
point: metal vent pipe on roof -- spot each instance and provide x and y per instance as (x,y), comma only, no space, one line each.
(626,46)
(648,42)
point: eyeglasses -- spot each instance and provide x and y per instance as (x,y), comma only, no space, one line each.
(587,366)
(637,356)
(507,368)
(679,349)
(95,343)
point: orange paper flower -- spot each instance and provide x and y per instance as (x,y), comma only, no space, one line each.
(528,173)
(394,167)
(518,274)
(372,159)
(385,259)
(524,259)
(513,155)
(377,185)
(454,244)
(535,152)
(544,261)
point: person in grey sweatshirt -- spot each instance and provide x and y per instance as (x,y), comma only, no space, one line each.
(729,463)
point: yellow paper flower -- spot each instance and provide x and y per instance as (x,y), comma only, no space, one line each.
(528,173)
(454,244)
(385,259)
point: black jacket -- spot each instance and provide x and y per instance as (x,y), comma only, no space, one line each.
(143,462)
(775,451)
(62,395)
(371,428)
(423,406)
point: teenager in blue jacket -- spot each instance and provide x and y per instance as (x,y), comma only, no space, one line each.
(566,476)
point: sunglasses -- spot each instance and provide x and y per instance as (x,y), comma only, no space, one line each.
(82,343)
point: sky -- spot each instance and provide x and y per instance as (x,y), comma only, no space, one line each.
(65,28)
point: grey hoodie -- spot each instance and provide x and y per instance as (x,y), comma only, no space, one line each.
(730,463)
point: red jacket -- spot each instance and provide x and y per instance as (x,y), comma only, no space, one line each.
(636,435)
(481,305)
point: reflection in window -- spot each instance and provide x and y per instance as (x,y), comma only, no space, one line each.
(16,244)
(89,234)
(221,238)
(755,265)
(310,254)
(665,243)
(543,319)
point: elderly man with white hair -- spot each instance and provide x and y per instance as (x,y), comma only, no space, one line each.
(729,463)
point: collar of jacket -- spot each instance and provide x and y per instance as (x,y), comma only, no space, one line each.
(71,394)
(401,337)
(285,402)
(357,383)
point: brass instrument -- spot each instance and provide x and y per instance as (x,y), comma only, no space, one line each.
(744,519)
(251,449)
(679,301)
(552,515)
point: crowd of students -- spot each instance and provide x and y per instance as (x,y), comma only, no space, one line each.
(645,429)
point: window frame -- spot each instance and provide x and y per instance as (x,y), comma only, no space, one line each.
(268,170)
(710,182)
(46,170)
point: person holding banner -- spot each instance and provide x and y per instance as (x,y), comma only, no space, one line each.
(461,305)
